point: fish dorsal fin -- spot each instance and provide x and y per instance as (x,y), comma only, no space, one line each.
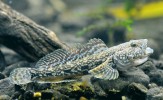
(61,56)
(105,71)
(94,46)
(52,59)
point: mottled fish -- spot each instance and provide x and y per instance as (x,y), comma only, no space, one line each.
(93,58)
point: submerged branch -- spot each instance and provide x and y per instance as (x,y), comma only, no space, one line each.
(24,36)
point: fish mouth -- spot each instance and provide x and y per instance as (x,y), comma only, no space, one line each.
(139,61)
(148,51)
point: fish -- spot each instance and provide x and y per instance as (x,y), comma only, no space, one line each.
(93,58)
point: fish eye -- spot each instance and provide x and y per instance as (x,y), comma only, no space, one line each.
(133,44)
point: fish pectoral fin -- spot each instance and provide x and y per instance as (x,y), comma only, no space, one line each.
(105,71)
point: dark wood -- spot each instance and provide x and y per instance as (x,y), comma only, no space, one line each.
(24,36)
(2,62)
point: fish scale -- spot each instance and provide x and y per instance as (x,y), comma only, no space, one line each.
(93,58)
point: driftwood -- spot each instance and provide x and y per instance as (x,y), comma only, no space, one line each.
(2,61)
(24,36)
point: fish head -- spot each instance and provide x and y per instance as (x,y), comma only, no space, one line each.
(142,43)
(134,55)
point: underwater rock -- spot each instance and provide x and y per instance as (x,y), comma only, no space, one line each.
(155,94)
(5,97)
(161,57)
(16,95)
(135,75)
(156,75)
(112,86)
(38,86)
(159,64)
(11,57)
(137,91)
(52,94)
(147,67)
(2,76)
(44,95)
(8,69)
(98,90)
(28,95)
(3,62)
(48,94)
(152,85)
(154,45)
(76,90)
(103,90)
(6,87)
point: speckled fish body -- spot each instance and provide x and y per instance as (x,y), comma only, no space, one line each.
(95,51)
(93,58)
